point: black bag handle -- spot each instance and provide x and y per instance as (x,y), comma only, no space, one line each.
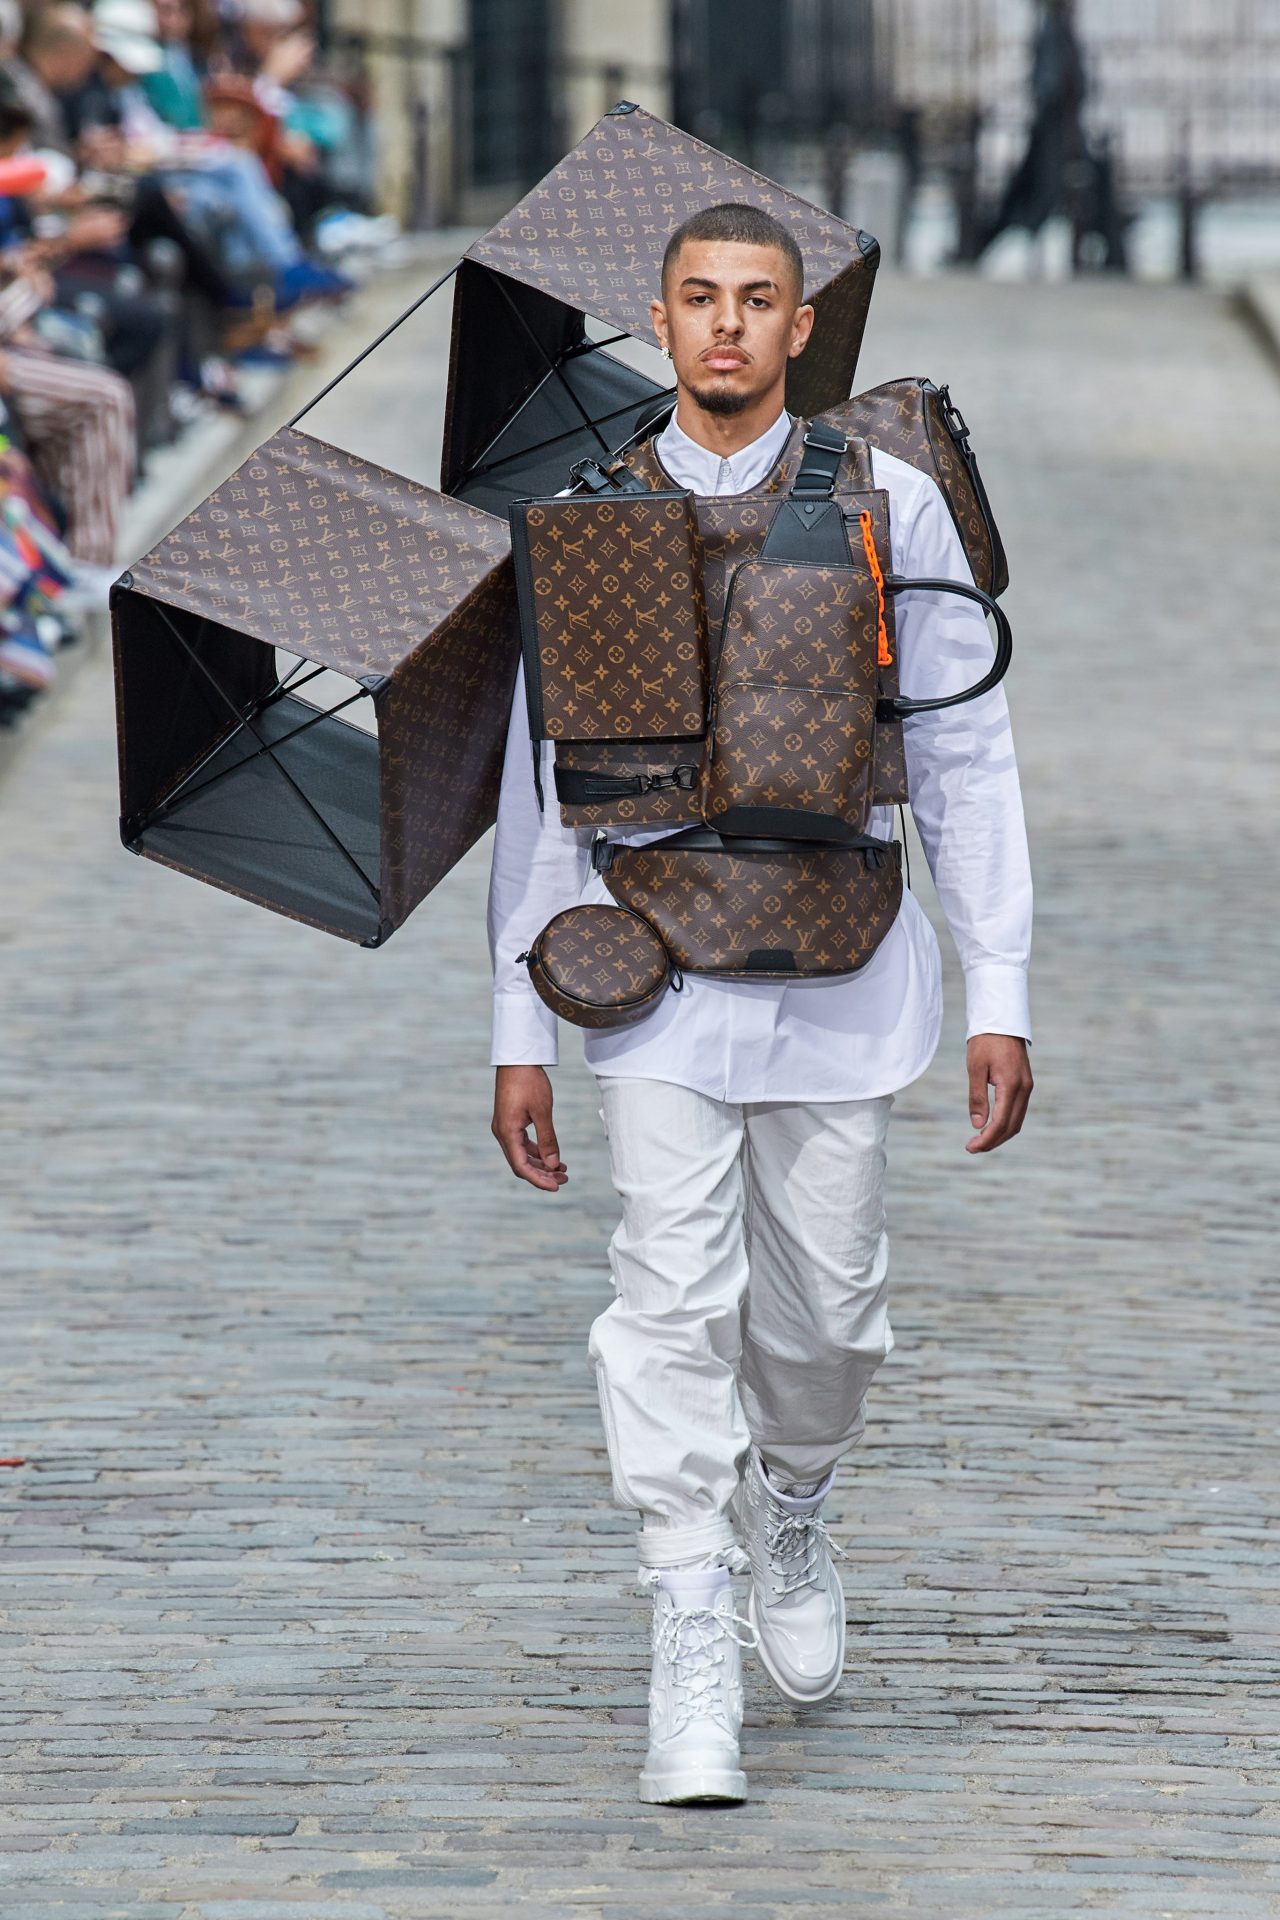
(898,708)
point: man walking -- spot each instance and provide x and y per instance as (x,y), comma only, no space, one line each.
(747,1120)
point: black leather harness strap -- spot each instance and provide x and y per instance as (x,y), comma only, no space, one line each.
(824,449)
(808,525)
(702,839)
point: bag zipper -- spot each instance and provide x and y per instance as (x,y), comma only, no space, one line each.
(792,686)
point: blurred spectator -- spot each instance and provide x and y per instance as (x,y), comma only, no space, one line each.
(163,171)
(55,55)
(78,419)
(173,89)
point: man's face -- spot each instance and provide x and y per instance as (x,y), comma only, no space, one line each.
(731,317)
(67,58)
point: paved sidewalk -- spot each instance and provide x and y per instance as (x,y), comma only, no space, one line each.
(313,1601)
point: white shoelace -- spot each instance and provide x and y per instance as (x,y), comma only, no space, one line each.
(793,1542)
(690,1641)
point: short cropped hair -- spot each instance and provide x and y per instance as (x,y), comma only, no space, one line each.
(15,115)
(747,226)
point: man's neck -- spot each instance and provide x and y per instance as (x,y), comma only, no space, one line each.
(728,433)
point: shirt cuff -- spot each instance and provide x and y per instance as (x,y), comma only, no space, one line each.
(525,1032)
(996,1000)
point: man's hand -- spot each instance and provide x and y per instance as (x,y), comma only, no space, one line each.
(522,1098)
(997,1060)
(289,57)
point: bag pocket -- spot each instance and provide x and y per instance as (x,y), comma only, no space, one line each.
(612,616)
(787,759)
(790,738)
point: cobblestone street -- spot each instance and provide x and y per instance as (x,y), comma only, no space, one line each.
(313,1601)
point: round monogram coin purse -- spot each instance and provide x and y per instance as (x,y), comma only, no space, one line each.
(600,966)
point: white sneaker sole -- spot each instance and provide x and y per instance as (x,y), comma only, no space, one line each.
(698,1784)
(787,1688)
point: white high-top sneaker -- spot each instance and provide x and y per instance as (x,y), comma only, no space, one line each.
(695,1694)
(797,1601)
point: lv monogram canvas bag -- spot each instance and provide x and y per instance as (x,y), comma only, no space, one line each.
(758,909)
(921,424)
(778,877)
(791,730)
(600,966)
(612,615)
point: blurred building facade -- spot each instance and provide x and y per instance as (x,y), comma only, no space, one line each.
(853,102)
(476,99)
(1175,83)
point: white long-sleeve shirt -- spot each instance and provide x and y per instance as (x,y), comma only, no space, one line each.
(853,1036)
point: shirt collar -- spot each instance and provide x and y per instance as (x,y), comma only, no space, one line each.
(702,471)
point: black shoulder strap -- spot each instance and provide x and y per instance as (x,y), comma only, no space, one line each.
(808,525)
(824,449)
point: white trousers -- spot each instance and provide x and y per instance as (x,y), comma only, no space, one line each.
(750,1268)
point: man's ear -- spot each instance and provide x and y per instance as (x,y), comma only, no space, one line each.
(801,328)
(658,320)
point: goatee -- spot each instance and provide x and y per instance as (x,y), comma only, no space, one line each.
(721,400)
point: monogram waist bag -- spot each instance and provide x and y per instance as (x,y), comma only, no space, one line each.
(758,908)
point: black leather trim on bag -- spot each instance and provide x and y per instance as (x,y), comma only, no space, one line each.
(958,428)
(585,786)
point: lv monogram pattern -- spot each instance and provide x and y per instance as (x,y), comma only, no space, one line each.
(906,418)
(326,555)
(620,623)
(794,702)
(599,966)
(345,564)
(828,911)
(592,234)
(733,530)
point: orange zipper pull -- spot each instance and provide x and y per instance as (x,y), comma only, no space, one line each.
(884,657)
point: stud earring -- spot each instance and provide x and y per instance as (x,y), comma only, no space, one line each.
(666,353)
